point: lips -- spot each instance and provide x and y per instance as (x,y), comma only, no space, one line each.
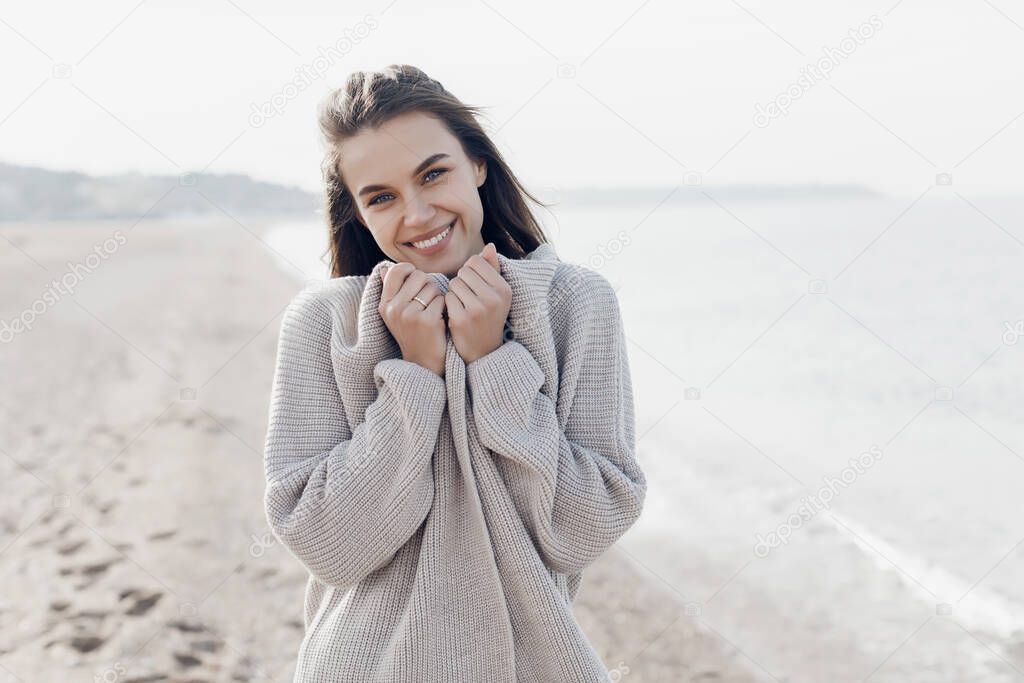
(433,233)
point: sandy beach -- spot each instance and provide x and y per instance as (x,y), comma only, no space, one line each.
(133,542)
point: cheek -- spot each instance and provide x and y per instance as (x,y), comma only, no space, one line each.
(382,234)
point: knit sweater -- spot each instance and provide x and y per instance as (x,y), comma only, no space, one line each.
(445,522)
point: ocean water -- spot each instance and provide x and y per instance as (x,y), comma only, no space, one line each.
(846,374)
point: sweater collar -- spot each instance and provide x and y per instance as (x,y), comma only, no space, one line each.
(529,278)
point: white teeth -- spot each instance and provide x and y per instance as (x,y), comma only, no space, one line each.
(433,240)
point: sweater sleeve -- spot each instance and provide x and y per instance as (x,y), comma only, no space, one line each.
(577,486)
(344,499)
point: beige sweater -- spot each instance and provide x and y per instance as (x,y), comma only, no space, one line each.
(446,522)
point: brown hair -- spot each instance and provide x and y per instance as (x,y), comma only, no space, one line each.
(369,99)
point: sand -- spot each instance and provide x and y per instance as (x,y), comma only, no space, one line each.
(133,542)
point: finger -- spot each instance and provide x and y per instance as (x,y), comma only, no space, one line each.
(435,307)
(452,303)
(485,271)
(413,284)
(465,295)
(394,278)
(490,254)
(427,294)
(429,291)
(476,283)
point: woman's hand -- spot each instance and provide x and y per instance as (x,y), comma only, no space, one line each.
(420,331)
(478,302)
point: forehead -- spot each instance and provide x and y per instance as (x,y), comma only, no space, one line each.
(390,152)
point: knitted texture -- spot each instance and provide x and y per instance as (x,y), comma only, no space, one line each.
(446,522)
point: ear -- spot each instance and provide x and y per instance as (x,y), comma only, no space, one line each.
(481,172)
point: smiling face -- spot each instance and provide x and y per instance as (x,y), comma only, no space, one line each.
(411,181)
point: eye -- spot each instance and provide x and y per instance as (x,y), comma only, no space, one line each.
(427,178)
(436,170)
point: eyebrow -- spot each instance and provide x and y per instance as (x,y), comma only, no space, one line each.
(419,169)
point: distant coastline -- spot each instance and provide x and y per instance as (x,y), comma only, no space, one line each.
(32,193)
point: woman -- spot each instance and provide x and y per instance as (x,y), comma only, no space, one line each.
(451,437)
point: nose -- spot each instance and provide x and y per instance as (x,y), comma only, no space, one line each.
(418,212)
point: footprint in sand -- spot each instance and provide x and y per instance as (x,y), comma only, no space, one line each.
(141,603)
(186,660)
(205,646)
(59,605)
(48,516)
(90,572)
(266,573)
(72,547)
(85,643)
(97,568)
(187,626)
(46,538)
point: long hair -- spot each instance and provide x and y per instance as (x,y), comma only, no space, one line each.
(369,99)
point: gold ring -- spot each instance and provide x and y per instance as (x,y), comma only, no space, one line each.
(416,298)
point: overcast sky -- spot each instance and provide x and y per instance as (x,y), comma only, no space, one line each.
(653,91)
